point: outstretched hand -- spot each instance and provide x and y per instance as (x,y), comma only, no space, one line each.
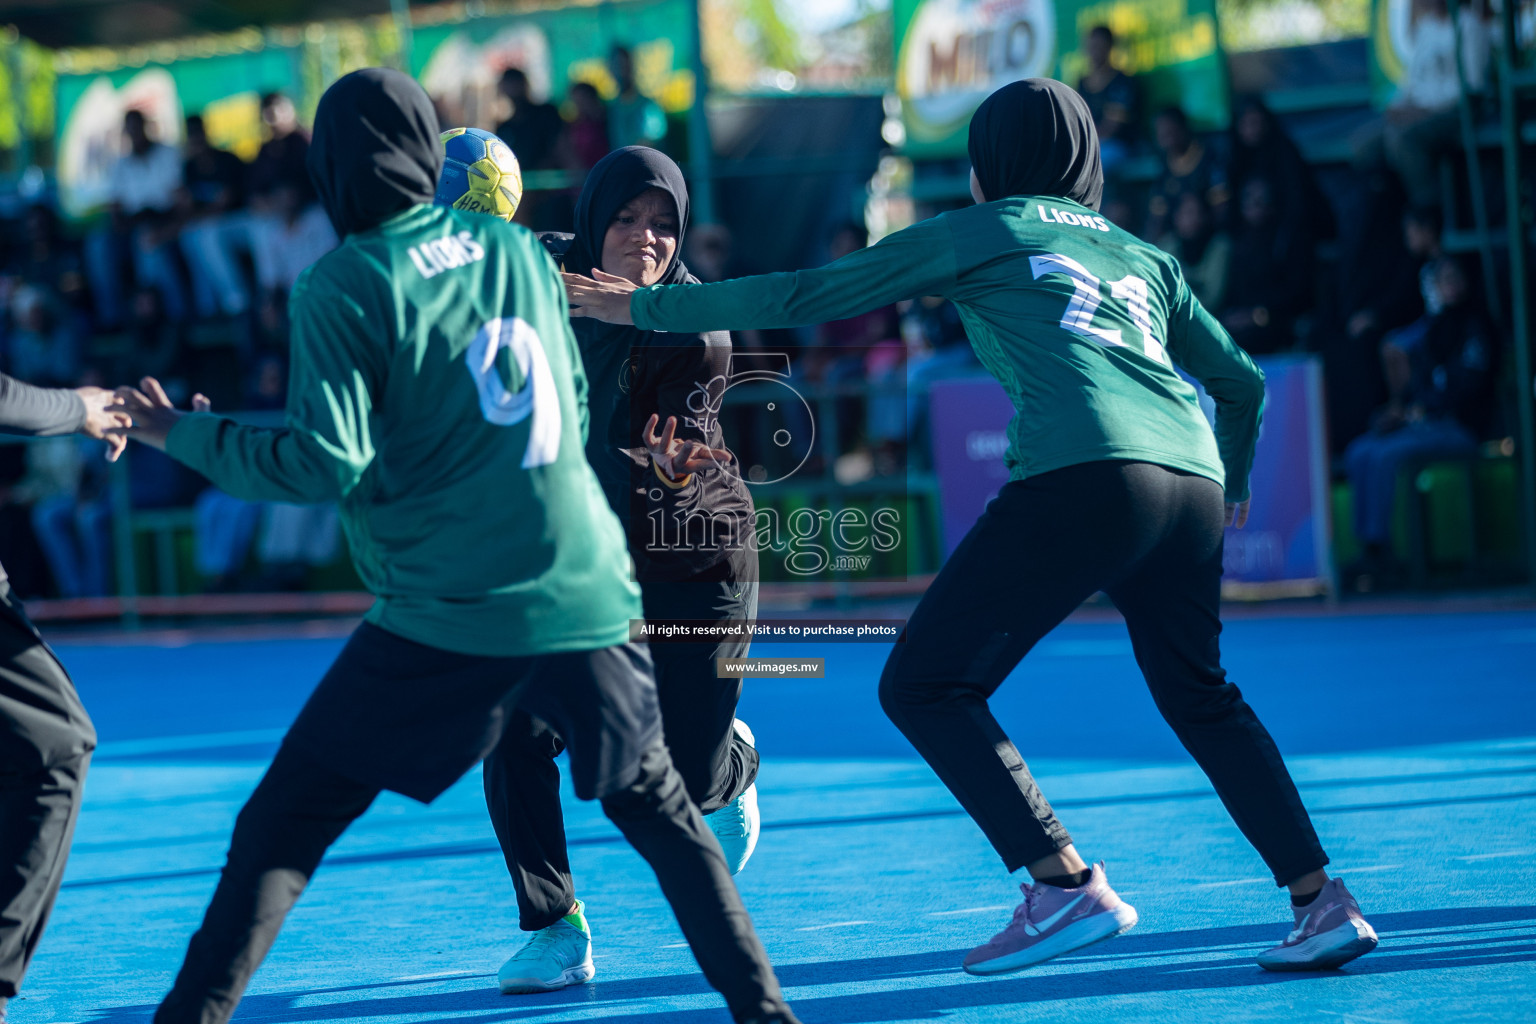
(675,456)
(1237,513)
(104,416)
(152,413)
(602,296)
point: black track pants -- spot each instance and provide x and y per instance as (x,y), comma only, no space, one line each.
(604,700)
(46,741)
(522,781)
(1150,538)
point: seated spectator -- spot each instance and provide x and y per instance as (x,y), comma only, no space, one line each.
(937,348)
(42,344)
(1112,97)
(141,203)
(1203,250)
(224,526)
(296,235)
(72,516)
(585,140)
(45,259)
(1188,166)
(1261,148)
(1423,118)
(1269,278)
(213,231)
(1441,375)
(277,184)
(634,119)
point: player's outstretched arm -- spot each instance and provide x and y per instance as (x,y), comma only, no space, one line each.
(919,260)
(43,412)
(327,445)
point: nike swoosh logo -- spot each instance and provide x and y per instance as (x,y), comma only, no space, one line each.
(1300,929)
(1055,919)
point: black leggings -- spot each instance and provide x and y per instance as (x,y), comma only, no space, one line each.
(522,781)
(46,741)
(1150,538)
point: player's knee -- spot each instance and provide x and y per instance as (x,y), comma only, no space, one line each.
(902,690)
(655,788)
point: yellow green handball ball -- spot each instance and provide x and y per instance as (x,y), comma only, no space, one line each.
(480,174)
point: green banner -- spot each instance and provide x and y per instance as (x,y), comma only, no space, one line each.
(460,64)
(950,54)
(225,90)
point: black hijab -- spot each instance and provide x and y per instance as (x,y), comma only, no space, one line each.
(614,181)
(375,150)
(1036,138)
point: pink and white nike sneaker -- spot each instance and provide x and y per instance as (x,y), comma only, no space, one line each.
(1329,931)
(1054,921)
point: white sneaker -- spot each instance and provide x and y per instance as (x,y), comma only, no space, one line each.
(737,823)
(552,958)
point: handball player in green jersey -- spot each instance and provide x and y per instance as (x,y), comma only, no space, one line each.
(437,396)
(1117,484)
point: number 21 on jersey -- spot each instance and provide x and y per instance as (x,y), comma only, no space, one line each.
(1086,300)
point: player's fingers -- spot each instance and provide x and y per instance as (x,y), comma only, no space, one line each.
(600,275)
(1242,516)
(669,434)
(152,388)
(134,400)
(652,439)
(200,403)
(115,444)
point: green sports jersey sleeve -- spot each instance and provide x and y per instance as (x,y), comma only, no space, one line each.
(326,446)
(1199,344)
(1086,327)
(916,261)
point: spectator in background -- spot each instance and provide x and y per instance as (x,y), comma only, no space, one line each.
(277,185)
(1260,148)
(44,258)
(295,235)
(281,159)
(585,141)
(1269,277)
(223,525)
(67,479)
(1112,97)
(42,345)
(1188,166)
(532,130)
(1203,249)
(213,230)
(1441,373)
(141,205)
(1423,120)
(937,348)
(634,119)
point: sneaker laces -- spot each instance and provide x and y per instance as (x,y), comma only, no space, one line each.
(733,814)
(542,939)
(1026,911)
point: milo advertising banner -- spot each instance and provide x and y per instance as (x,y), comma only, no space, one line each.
(950,54)
(459,64)
(225,90)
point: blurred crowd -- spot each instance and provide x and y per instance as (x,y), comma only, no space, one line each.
(187,273)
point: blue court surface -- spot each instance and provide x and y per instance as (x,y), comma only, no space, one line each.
(1413,737)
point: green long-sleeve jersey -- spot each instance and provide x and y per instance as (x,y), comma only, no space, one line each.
(437,394)
(1082,323)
